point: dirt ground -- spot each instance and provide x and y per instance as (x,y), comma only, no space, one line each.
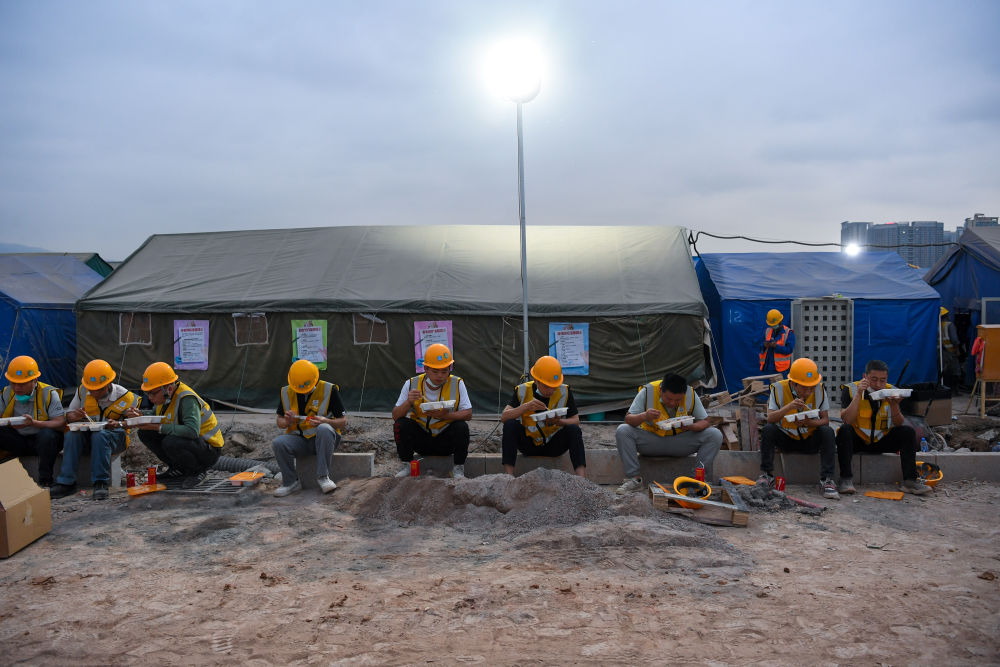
(546,568)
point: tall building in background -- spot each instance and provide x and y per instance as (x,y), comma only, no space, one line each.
(854,232)
(921,242)
(980,220)
(926,239)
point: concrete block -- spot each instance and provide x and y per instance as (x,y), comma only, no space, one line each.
(348,464)
(665,469)
(733,463)
(436,466)
(981,466)
(797,468)
(877,469)
(604,466)
(526,464)
(83,480)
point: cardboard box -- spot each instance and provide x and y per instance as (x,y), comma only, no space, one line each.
(939,413)
(25,509)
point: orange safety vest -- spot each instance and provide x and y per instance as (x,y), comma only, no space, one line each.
(782,362)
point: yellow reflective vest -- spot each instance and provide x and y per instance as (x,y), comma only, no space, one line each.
(783,395)
(318,404)
(115,411)
(871,427)
(210,430)
(538,431)
(44,395)
(449,391)
(654,401)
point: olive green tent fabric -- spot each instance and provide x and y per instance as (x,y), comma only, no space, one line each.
(634,286)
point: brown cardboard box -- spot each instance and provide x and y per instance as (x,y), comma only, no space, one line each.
(25,509)
(939,413)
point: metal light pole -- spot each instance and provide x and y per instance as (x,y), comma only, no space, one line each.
(524,244)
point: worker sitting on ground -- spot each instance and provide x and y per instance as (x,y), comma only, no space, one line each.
(38,431)
(551,436)
(442,431)
(188,439)
(657,401)
(312,415)
(98,399)
(801,392)
(877,427)
(777,344)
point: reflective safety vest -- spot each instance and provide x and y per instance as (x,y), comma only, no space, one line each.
(871,425)
(654,401)
(318,404)
(115,411)
(210,430)
(946,341)
(782,362)
(449,391)
(44,395)
(537,431)
(783,395)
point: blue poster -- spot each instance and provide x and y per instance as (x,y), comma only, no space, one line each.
(569,342)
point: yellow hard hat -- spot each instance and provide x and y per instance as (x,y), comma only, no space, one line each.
(438,356)
(944,311)
(97,374)
(692,488)
(930,473)
(303,376)
(22,369)
(804,372)
(774,317)
(548,371)
(157,374)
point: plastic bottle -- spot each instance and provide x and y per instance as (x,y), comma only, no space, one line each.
(924,447)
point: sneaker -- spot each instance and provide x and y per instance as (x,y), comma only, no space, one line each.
(458,472)
(101,491)
(283,491)
(829,489)
(172,473)
(916,487)
(61,490)
(765,480)
(326,485)
(192,481)
(846,486)
(405,472)
(629,485)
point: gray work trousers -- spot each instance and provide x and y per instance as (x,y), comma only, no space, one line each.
(286,447)
(633,441)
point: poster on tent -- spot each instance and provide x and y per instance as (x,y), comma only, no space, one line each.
(309,341)
(191,345)
(569,342)
(426,334)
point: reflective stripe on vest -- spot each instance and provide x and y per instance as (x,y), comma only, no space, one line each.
(115,411)
(782,362)
(785,397)
(449,391)
(946,337)
(44,395)
(863,425)
(318,404)
(210,430)
(654,401)
(539,433)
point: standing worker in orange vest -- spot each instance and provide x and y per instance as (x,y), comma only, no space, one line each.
(776,345)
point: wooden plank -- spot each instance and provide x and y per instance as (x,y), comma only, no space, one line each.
(729,437)
(710,512)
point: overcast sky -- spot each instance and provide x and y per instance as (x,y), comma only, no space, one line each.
(778,119)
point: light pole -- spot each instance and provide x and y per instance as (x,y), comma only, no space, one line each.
(514,69)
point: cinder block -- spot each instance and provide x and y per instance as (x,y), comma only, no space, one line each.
(665,469)
(981,466)
(736,463)
(796,468)
(30,464)
(436,466)
(348,464)
(604,466)
(877,469)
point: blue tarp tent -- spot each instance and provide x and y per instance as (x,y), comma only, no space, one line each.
(969,271)
(37,296)
(895,312)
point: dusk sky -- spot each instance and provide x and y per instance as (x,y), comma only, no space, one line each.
(776,119)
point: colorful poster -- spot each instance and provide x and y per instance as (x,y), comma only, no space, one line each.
(309,341)
(426,334)
(569,342)
(191,345)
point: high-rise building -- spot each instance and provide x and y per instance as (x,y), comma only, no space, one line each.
(926,239)
(980,220)
(854,232)
(921,243)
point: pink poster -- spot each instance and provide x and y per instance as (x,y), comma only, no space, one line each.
(426,334)
(191,345)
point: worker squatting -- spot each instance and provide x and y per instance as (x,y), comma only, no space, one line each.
(431,418)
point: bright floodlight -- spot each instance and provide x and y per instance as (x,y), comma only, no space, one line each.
(852,249)
(513,69)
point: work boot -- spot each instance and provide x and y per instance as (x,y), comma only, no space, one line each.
(405,472)
(766,480)
(283,491)
(61,490)
(629,485)
(829,489)
(846,486)
(101,491)
(458,472)
(326,485)
(916,487)
(194,480)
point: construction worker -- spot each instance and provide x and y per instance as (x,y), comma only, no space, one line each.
(188,439)
(312,414)
(98,399)
(951,350)
(551,437)
(801,392)
(38,431)
(777,344)
(876,427)
(664,399)
(441,432)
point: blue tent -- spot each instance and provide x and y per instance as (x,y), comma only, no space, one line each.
(37,296)
(969,271)
(895,312)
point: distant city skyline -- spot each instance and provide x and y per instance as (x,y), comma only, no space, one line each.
(919,242)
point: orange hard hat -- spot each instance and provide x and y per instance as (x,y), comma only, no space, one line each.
(97,374)
(548,371)
(22,369)
(157,374)
(438,356)
(804,372)
(303,376)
